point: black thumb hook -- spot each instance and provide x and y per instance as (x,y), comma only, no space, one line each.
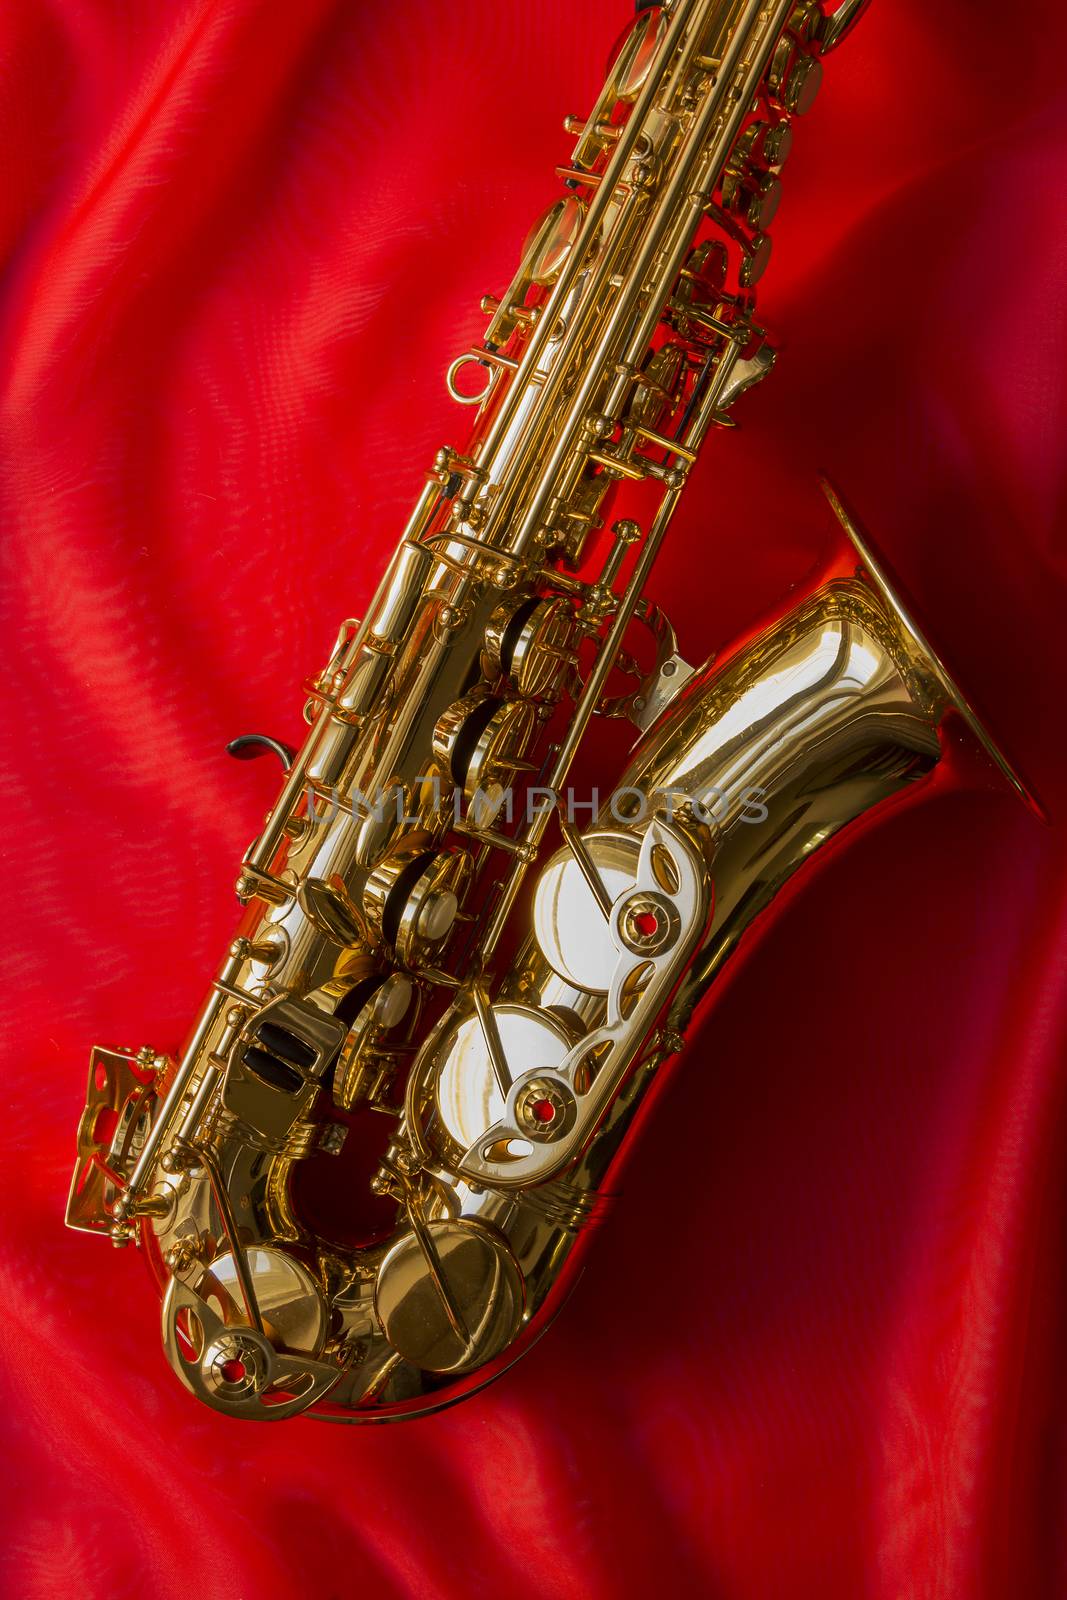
(248,746)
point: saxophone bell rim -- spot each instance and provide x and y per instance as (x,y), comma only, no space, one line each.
(874,570)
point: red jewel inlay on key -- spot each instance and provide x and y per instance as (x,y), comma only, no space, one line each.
(542,1110)
(233,1371)
(646,923)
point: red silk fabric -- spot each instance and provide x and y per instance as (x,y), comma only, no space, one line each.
(819,1347)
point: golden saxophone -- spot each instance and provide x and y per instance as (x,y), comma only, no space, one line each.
(435,961)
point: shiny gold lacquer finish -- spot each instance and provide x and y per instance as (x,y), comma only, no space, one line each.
(380,982)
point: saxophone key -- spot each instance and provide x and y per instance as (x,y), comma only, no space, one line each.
(411,897)
(754,197)
(449,1295)
(756,259)
(802,85)
(606,132)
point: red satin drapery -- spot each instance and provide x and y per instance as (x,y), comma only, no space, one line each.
(819,1348)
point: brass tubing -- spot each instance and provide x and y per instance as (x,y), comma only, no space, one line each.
(680,221)
(207,1159)
(591,228)
(594,685)
(591,692)
(186,1069)
(493,1042)
(586,865)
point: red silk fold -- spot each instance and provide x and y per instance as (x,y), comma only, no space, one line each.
(819,1347)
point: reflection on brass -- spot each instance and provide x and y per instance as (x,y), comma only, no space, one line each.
(436,960)
(449,1297)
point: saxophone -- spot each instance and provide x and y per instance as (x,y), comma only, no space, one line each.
(436,967)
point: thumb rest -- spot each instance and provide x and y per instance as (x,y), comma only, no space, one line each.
(380,977)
